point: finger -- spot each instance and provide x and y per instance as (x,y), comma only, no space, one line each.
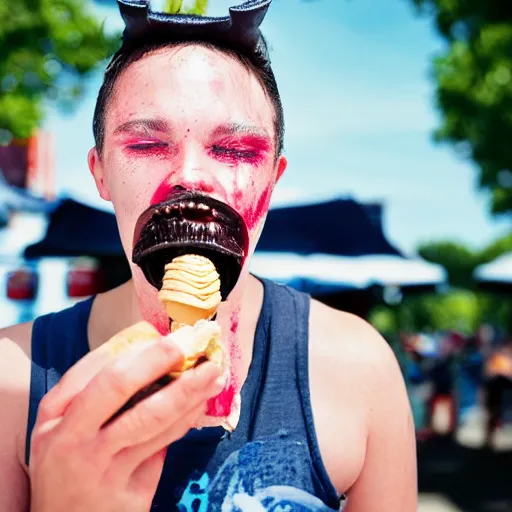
(155,414)
(56,401)
(144,480)
(129,459)
(117,383)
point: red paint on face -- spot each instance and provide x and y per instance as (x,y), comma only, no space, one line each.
(165,188)
(242,149)
(146,147)
(253,214)
(159,322)
(161,193)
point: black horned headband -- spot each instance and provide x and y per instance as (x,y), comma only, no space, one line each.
(241,27)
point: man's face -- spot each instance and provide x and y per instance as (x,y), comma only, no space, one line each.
(192,117)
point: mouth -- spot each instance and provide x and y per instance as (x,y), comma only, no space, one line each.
(188,222)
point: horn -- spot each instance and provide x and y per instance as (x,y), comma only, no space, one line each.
(240,27)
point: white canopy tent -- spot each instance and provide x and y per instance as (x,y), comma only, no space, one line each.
(497,271)
(321,271)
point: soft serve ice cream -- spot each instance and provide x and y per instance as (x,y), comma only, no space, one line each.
(190,290)
(191,248)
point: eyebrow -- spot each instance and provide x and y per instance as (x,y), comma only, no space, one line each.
(241,129)
(143,125)
(161,125)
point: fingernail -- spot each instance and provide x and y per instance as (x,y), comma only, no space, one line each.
(221,382)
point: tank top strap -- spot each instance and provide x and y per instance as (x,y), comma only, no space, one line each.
(59,340)
(285,380)
(285,331)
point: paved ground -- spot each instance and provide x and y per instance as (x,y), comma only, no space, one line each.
(460,475)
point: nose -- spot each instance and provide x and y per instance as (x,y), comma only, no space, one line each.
(194,173)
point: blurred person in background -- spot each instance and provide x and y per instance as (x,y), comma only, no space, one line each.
(443,378)
(498,384)
(470,375)
(421,351)
(324,407)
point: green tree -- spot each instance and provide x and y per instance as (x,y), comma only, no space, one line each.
(47,49)
(474,87)
(463,307)
(198,7)
(458,260)
(496,249)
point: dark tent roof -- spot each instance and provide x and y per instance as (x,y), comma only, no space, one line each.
(76,229)
(339,227)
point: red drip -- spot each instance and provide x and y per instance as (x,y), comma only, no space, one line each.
(253,215)
(234,323)
(221,405)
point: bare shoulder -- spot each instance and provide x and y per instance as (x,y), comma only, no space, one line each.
(19,335)
(361,410)
(14,386)
(351,343)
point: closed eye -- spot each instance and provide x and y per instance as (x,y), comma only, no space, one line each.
(147,146)
(248,155)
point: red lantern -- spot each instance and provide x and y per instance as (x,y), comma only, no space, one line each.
(22,284)
(84,280)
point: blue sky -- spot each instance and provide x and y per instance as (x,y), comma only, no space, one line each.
(358,100)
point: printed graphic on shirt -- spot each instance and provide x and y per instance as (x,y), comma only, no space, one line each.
(261,477)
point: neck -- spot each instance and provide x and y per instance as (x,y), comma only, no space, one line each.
(120,308)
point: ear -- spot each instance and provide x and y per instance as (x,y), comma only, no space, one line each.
(97,171)
(282,163)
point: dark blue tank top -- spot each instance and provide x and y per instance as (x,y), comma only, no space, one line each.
(270,462)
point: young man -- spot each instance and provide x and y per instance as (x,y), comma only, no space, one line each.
(324,422)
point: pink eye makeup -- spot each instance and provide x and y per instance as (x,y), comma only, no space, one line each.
(143,146)
(249,149)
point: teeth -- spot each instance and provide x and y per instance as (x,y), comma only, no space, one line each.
(215,214)
(202,206)
(167,210)
(192,205)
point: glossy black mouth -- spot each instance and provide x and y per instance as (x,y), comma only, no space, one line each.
(190,223)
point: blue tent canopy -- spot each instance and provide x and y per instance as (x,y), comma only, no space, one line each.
(340,227)
(76,229)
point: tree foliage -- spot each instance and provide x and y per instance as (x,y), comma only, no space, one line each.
(463,307)
(458,260)
(197,7)
(461,261)
(474,87)
(47,48)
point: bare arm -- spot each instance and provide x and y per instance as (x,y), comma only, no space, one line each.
(14,389)
(388,480)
